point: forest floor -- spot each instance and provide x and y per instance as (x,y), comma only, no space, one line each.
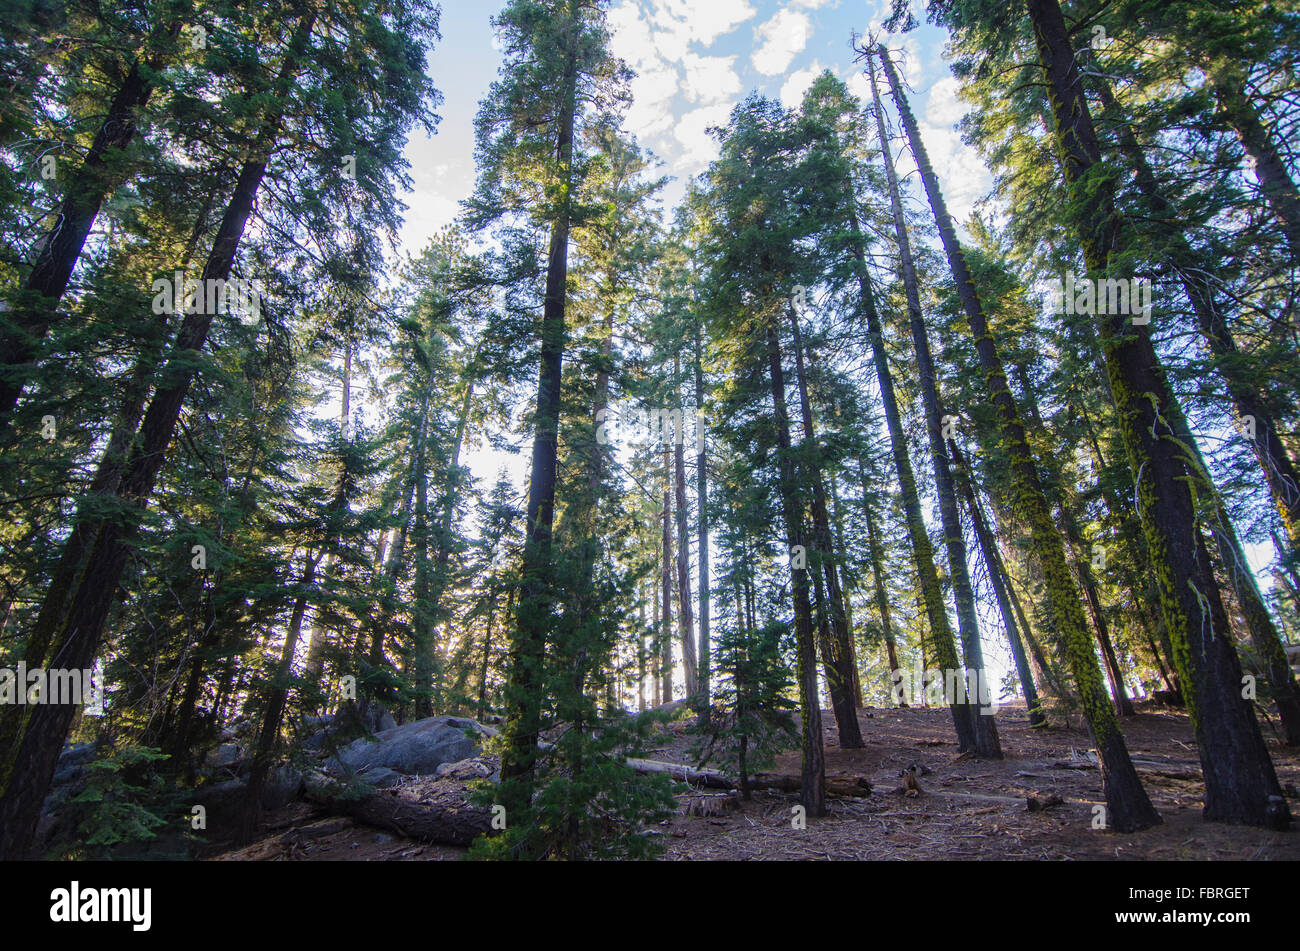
(967,809)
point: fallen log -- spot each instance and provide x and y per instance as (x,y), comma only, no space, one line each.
(854,786)
(442,823)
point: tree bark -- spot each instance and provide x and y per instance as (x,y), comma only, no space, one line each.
(985,730)
(922,550)
(1240,783)
(1129,807)
(812,793)
(837,648)
(533,617)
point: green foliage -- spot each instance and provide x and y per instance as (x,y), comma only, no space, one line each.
(588,803)
(753,718)
(123,806)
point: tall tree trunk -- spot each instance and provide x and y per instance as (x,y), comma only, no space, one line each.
(480,707)
(878,581)
(61,247)
(443,539)
(838,524)
(922,551)
(1239,113)
(97,589)
(838,646)
(277,699)
(685,614)
(702,527)
(534,614)
(1240,783)
(666,584)
(318,641)
(1129,807)
(1263,633)
(1251,403)
(422,609)
(987,744)
(813,774)
(1001,585)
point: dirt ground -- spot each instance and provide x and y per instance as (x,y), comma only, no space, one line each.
(967,809)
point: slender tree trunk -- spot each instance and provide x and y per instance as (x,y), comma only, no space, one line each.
(997,576)
(1129,807)
(481,707)
(60,248)
(1277,464)
(987,744)
(878,580)
(1240,783)
(702,526)
(533,617)
(666,584)
(813,776)
(640,657)
(277,699)
(1263,633)
(685,614)
(849,584)
(1239,113)
(922,550)
(838,646)
(318,642)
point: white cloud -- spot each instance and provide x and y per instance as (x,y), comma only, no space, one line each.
(710,79)
(630,35)
(698,147)
(783,38)
(652,90)
(696,22)
(860,86)
(798,83)
(962,173)
(944,108)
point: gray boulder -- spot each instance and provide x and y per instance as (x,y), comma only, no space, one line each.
(417,748)
(225,756)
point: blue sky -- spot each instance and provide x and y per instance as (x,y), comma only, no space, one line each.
(694,61)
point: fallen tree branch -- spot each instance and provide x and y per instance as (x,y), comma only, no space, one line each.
(441,823)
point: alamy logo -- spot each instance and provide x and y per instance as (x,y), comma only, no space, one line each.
(211,296)
(943,687)
(75,904)
(36,685)
(1108,295)
(641,427)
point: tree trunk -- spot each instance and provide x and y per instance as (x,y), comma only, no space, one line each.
(922,551)
(1001,584)
(837,648)
(1277,464)
(533,616)
(812,792)
(685,615)
(61,247)
(666,586)
(1129,807)
(702,526)
(1239,113)
(1240,783)
(985,730)
(878,580)
(277,699)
